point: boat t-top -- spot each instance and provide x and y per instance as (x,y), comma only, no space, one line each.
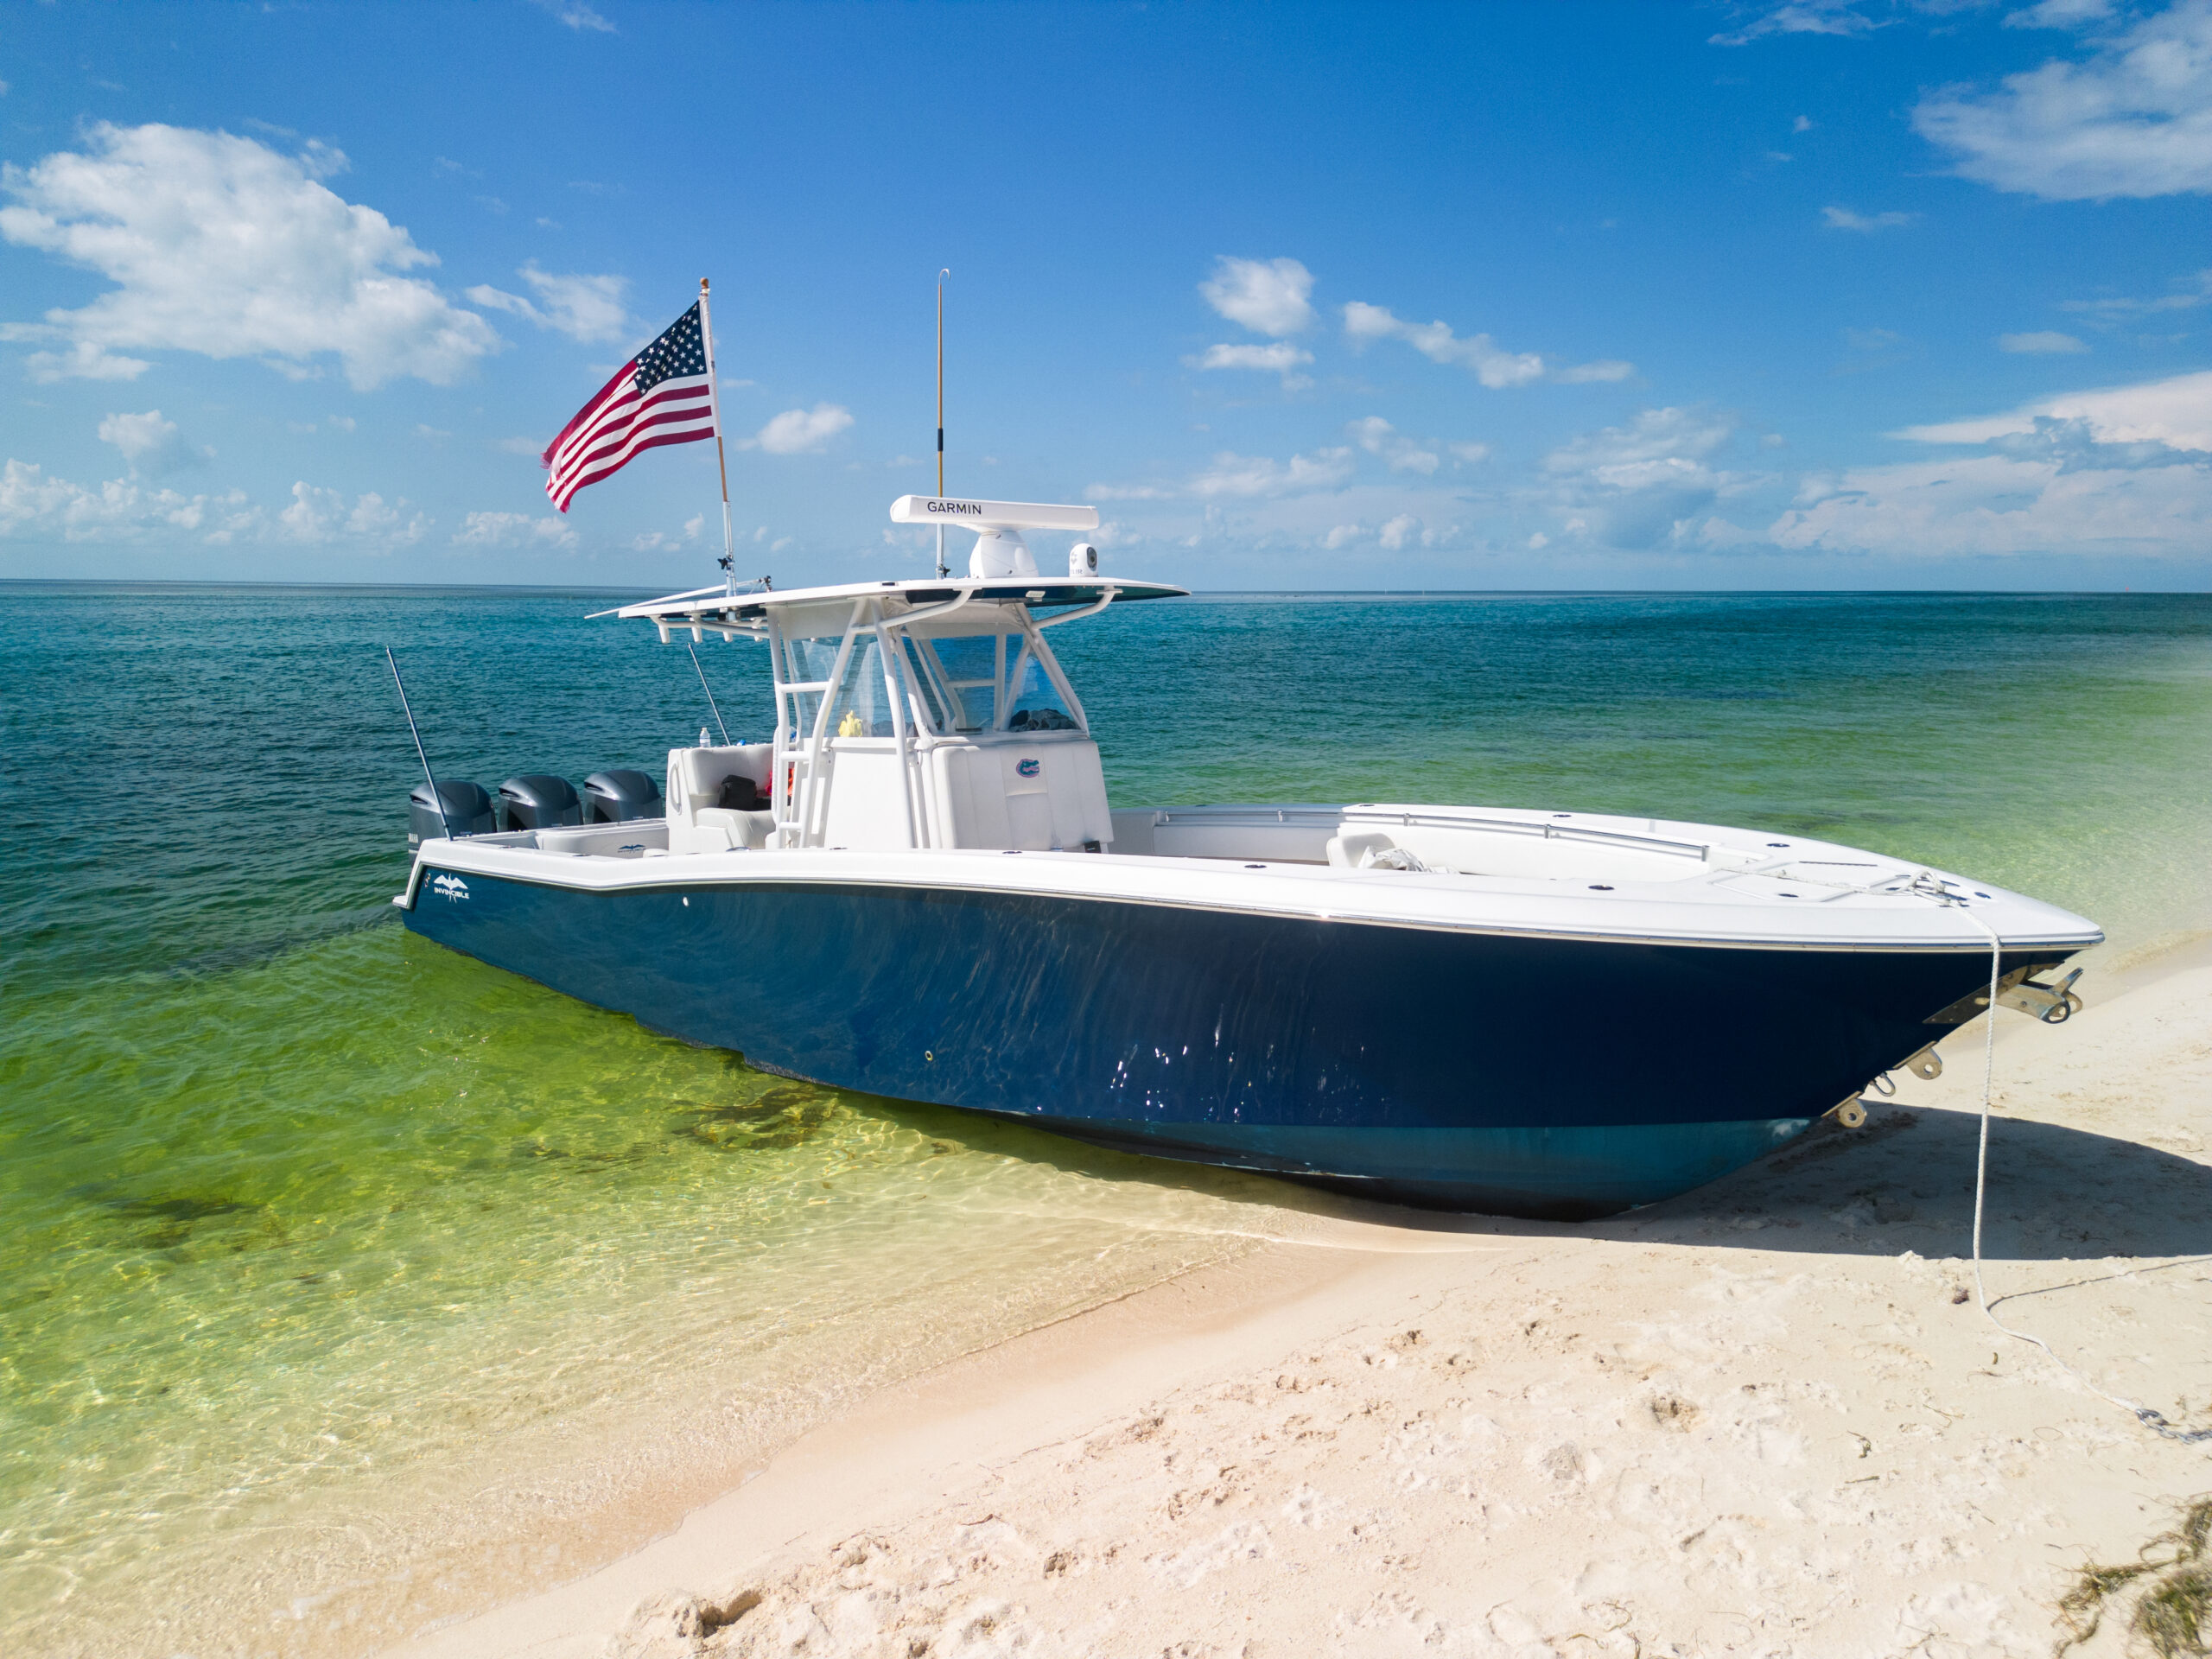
(919,886)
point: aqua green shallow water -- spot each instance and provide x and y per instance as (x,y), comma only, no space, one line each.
(345,1283)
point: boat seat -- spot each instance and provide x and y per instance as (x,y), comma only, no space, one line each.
(736,828)
(697,821)
(1370,850)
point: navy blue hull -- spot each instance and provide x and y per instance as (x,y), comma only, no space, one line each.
(1515,1076)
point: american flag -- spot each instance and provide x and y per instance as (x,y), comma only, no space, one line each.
(663,395)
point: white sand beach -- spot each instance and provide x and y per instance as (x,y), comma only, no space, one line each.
(1760,1419)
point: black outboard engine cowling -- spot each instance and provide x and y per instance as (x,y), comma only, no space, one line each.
(618,797)
(539,800)
(468,811)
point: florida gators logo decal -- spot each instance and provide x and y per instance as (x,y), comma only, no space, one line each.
(1027,768)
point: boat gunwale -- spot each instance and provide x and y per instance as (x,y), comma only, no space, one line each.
(755,876)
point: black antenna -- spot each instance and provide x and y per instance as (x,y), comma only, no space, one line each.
(942,569)
(436,795)
(708,690)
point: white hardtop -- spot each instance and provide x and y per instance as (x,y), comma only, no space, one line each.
(719,611)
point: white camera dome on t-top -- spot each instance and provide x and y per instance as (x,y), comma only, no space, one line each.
(1082,560)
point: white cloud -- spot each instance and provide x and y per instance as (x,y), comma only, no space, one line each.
(800,431)
(1479,354)
(2060,14)
(576,15)
(220,245)
(1842,219)
(1281,357)
(319,516)
(35,506)
(2176,412)
(589,309)
(657,540)
(83,360)
(2004,505)
(1233,475)
(1378,438)
(1495,368)
(2046,341)
(2133,119)
(2118,309)
(1392,535)
(1802,123)
(341,422)
(150,443)
(513,530)
(1655,437)
(1268,297)
(531,447)
(1468,453)
(1801,17)
(1638,484)
(1577,374)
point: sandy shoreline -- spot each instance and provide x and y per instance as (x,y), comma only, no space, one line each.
(1752,1419)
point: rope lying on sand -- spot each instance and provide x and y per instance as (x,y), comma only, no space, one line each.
(2150,1417)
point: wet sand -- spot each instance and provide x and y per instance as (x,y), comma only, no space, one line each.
(1757,1418)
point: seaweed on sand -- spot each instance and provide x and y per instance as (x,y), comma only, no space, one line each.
(2172,1613)
(788,1116)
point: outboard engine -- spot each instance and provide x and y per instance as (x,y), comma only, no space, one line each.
(468,811)
(539,800)
(618,797)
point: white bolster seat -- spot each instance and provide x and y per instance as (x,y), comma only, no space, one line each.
(1370,850)
(722,829)
(697,823)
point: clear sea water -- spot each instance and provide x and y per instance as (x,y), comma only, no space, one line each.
(346,1283)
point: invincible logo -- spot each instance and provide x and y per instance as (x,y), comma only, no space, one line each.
(452,886)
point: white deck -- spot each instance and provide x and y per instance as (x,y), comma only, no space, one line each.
(1566,875)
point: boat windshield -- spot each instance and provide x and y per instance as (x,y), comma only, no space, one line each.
(1035,703)
(968,672)
(992,679)
(973,678)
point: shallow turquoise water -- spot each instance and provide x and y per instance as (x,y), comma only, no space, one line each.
(323,1252)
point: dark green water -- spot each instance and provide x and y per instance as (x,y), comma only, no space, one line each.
(328,1260)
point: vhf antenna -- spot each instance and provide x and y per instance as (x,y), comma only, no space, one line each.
(942,569)
(437,796)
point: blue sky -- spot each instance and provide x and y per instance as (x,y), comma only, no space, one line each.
(1822,294)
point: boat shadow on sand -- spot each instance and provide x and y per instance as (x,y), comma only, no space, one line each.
(1903,1182)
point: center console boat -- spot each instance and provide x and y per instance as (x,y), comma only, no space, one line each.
(919,887)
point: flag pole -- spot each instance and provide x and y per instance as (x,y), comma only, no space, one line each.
(941,276)
(722,460)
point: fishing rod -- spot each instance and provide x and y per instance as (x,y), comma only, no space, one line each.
(437,795)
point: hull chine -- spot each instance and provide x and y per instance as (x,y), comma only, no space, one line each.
(1559,1174)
